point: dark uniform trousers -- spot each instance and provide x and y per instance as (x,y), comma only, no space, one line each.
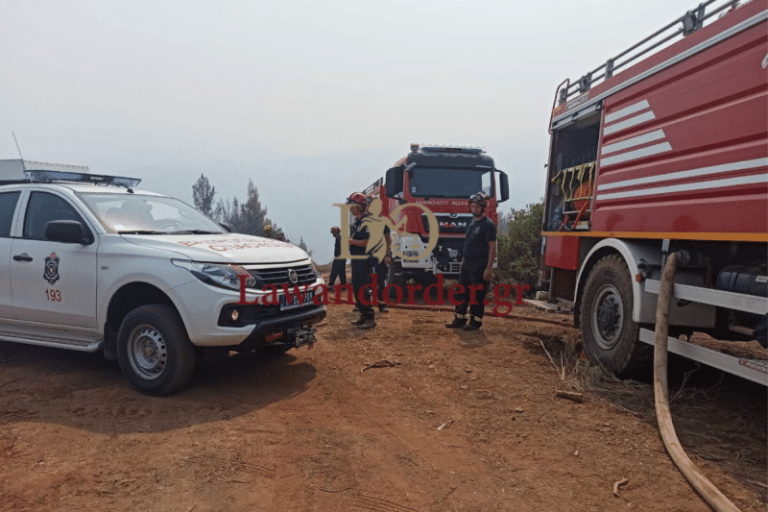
(472,274)
(382,270)
(361,276)
(338,268)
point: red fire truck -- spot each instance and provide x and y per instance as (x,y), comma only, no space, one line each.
(441,179)
(659,154)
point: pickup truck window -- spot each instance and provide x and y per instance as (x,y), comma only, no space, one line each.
(8,202)
(44,208)
(131,213)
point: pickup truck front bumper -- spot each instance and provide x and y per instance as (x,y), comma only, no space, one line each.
(292,328)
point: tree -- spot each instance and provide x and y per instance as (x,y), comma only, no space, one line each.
(252,215)
(519,250)
(303,246)
(247,217)
(202,195)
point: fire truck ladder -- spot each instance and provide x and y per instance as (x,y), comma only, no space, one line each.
(691,22)
(374,188)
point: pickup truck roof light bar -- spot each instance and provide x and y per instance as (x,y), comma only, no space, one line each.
(46,176)
(691,22)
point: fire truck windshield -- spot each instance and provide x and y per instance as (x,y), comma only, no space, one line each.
(448,182)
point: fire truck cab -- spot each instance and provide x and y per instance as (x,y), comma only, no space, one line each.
(438,179)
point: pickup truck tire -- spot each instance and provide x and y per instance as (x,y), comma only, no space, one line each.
(610,336)
(154,351)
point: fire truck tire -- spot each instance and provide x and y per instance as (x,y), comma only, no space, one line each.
(154,351)
(610,336)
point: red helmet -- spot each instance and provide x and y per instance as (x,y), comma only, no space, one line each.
(357,198)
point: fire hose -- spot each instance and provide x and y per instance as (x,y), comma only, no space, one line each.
(695,477)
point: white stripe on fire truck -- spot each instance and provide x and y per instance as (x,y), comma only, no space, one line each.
(692,173)
(638,153)
(634,141)
(686,187)
(632,121)
(637,107)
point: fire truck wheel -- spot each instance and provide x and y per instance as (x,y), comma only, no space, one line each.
(154,350)
(610,335)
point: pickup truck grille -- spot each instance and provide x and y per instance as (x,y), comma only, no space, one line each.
(279,276)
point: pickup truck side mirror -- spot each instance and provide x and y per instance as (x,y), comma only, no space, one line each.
(68,232)
(394,182)
(504,186)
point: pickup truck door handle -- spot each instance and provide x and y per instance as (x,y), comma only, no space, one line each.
(22,257)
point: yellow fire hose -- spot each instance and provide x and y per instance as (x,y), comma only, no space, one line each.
(705,488)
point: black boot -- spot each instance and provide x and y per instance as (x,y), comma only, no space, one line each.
(458,323)
(473,325)
(383,308)
(369,322)
(359,321)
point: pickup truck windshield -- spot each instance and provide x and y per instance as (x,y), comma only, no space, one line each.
(442,182)
(139,214)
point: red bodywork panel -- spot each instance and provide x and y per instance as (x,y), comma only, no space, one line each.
(685,150)
(562,252)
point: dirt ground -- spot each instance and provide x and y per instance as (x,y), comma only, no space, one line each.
(460,422)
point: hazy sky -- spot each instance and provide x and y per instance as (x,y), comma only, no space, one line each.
(310,99)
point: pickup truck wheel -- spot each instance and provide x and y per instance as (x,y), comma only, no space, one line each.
(154,351)
(609,334)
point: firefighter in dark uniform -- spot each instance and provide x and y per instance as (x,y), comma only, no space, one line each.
(382,267)
(361,268)
(339,266)
(476,266)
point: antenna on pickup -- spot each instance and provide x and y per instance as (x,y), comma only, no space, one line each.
(24,167)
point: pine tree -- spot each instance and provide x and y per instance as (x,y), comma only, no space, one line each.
(252,215)
(202,195)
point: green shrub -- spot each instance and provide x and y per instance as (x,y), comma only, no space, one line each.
(519,249)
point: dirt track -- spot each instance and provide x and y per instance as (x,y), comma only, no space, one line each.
(310,431)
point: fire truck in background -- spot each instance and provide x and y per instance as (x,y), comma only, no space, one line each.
(441,178)
(668,155)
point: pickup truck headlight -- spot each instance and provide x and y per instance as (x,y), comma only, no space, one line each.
(223,276)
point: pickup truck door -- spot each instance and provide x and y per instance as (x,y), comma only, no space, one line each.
(8,202)
(53,283)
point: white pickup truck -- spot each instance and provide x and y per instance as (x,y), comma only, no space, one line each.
(88,263)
